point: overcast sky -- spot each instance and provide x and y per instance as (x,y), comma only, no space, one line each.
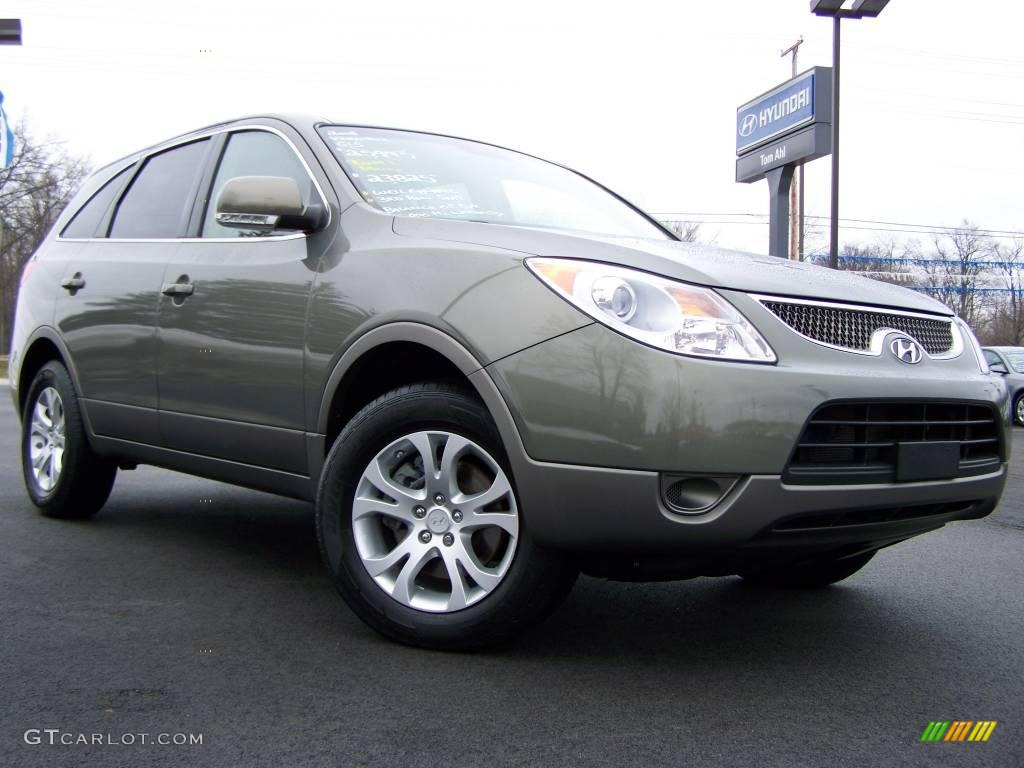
(640,95)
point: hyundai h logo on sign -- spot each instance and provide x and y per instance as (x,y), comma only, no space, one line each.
(802,101)
(748,124)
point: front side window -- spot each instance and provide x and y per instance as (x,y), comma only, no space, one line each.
(89,216)
(418,174)
(155,203)
(1016,360)
(254,153)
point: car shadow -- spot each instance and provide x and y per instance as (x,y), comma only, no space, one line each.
(213,520)
(724,619)
(701,623)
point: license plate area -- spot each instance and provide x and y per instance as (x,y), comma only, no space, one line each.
(927,461)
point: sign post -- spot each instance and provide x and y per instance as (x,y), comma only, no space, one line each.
(785,127)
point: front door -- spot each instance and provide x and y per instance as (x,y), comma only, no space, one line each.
(232,336)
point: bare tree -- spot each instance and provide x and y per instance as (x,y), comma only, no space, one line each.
(1006,324)
(885,261)
(952,272)
(34,189)
(816,240)
(687,231)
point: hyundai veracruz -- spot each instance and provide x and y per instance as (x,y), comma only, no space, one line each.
(489,373)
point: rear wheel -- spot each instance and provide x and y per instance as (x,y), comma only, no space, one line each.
(63,477)
(420,526)
(814,573)
(1018,410)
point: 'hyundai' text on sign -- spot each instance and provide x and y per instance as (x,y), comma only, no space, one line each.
(792,105)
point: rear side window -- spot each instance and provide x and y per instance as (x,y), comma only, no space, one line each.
(90,215)
(155,203)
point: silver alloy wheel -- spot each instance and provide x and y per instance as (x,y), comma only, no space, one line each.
(47,437)
(1020,410)
(435,521)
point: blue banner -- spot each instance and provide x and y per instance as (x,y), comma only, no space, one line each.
(780,111)
(6,137)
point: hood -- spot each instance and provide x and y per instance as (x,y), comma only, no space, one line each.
(692,263)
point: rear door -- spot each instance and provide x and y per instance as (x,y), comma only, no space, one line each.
(107,310)
(231,343)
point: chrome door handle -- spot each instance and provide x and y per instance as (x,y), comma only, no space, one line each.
(178,289)
(73,284)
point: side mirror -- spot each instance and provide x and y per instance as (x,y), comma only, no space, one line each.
(998,368)
(266,203)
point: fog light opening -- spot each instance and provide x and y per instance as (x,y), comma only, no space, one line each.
(695,495)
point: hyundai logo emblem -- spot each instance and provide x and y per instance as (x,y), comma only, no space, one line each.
(906,350)
(748,124)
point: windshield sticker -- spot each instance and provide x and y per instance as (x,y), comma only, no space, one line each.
(394,178)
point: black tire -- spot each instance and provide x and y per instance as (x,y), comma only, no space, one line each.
(811,574)
(85,479)
(1018,415)
(536,582)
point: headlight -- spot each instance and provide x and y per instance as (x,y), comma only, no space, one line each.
(677,317)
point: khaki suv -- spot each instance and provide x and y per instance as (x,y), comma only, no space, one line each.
(488,372)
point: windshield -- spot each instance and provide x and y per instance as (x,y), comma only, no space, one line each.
(418,174)
(1016,360)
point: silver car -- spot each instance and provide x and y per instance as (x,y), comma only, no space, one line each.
(1008,362)
(489,372)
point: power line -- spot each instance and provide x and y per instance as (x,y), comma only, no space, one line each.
(946,97)
(845,227)
(941,55)
(905,226)
(961,72)
(973,117)
(922,262)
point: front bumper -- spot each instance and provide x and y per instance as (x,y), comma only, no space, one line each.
(619,516)
(602,420)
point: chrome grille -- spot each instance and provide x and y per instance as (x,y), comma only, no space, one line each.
(859,442)
(853,328)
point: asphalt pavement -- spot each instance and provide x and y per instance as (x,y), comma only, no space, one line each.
(191,607)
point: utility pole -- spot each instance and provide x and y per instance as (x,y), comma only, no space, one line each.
(796,191)
(837,9)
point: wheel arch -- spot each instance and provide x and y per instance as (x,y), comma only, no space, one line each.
(43,346)
(427,349)
(1015,395)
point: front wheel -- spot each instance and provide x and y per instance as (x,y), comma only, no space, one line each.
(1018,410)
(420,526)
(63,477)
(811,574)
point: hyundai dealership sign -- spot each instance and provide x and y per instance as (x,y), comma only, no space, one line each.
(803,101)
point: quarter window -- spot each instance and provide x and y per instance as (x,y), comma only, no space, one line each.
(254,153)
(155,203)
(89,216)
